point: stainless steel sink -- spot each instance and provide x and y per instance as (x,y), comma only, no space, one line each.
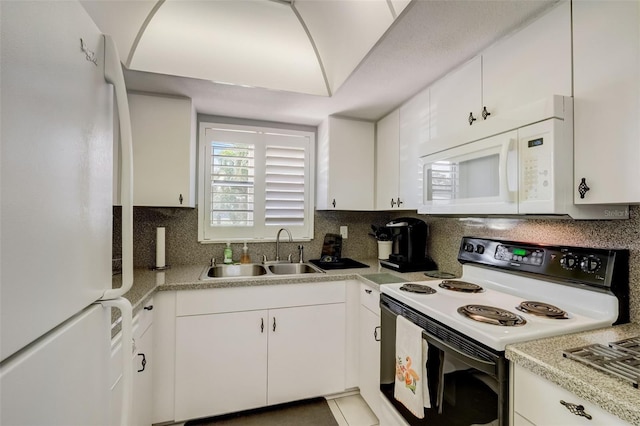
(232,271)
(294,268)
(257,270)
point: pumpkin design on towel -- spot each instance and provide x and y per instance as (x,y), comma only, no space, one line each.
(406,374)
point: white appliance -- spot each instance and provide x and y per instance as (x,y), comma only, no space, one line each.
(519,163)
(57,72)
(527,291)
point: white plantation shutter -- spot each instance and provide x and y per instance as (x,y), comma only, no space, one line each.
(256,181)
(232,184)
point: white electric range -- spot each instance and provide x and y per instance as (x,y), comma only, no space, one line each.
(509,292)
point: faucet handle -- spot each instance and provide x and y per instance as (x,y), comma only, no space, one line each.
(213,262)
(264,258)
(290,258)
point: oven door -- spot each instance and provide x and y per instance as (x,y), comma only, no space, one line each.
(480,177)
(468,383)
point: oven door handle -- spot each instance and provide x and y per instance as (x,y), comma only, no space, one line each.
(477,363)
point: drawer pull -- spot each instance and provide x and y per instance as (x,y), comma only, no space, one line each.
(578,410)
(376,336)
(144,362)
(366,290)
(148,308)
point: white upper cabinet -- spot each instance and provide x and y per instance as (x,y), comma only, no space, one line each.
(606,73)
(164,147)
(456,99)
(531,64)
(414,135)
(388,162)
(345,165)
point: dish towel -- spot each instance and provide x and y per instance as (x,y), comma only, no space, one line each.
(411,387)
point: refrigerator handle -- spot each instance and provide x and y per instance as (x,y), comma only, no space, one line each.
(127,366)
(113,74)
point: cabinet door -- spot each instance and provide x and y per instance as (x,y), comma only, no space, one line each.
(306,352)
(163,131)
(414,138)
(538,401)
(606,66)
(221,363)
(387,161)
(142,379)
(345,165)
(532,64)
(452,100)
(369,366)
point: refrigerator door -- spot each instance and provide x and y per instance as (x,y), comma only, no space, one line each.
(56,168)
(61,379)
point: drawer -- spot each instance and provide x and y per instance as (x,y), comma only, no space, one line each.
(251,298)
(538,401)
(370,298)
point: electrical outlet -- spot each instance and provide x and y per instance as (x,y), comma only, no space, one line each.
(344,231)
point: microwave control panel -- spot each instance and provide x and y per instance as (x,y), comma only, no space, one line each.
(536,163)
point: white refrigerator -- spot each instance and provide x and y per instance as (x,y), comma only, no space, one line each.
(59,78)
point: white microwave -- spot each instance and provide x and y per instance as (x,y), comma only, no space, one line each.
(526,169)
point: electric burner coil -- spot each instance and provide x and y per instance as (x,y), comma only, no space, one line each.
(492,315)
(542,309)
(462,286)
(417,288)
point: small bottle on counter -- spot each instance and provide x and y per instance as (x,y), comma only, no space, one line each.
(228,254)
(245,258)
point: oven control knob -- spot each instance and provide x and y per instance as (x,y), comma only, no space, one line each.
(468,247)
(569,261)
(479,249)
(590,264)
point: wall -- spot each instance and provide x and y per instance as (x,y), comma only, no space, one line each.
(183,248)
(444,240)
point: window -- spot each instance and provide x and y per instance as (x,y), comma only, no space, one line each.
(254,181)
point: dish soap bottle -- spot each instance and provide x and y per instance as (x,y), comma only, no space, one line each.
(245,258)
(228,254)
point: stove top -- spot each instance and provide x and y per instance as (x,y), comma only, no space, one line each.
(521,305)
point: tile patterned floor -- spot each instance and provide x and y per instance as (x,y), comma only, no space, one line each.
(352,411)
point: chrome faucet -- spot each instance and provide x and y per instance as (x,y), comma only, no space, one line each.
(278,242)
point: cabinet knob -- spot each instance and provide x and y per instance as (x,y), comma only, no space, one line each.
(393,203)
(334,203)
(180,199)
(366,290)
(583,188)
(471,118)
(485,113)
(148,308)
(399,202)
(261,325)
(578,410)
(274,323)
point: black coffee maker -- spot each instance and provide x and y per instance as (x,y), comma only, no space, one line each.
(409,249)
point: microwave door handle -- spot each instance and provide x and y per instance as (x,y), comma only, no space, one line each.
(503,173)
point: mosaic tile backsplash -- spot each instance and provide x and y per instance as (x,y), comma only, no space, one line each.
(444,239)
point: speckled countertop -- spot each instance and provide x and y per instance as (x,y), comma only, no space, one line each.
(146,282)
(544,358)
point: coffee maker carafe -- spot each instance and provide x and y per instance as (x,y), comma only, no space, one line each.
(408,253)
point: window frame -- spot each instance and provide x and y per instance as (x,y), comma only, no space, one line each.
(259,232)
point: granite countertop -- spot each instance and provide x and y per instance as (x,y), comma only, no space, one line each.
(544,358)
(146,282)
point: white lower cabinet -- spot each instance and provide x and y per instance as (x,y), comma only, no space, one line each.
(242,348)
(141,360)
(369,365)
(537,401)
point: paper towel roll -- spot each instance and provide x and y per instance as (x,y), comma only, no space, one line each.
(160,259)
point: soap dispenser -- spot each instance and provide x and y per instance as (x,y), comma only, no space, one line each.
(245,258)
(228,254)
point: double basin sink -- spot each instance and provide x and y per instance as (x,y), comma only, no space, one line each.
(257,270)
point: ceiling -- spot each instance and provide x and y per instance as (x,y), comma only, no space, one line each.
(300,61)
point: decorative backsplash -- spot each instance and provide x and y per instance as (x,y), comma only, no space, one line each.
(444,240)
